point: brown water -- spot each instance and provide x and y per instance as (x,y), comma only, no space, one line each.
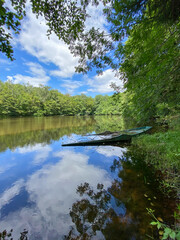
(99,192)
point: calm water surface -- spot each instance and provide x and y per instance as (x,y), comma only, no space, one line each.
(56,192)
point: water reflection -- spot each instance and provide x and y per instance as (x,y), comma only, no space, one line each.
(112,123)
(91,215)
(38,182)
(95,212)
(52,191)
(120,211)
(105,211)
(42,152)
(110,151)
(11,192)
(19,132)
(29,124)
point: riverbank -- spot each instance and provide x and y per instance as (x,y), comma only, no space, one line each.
(162,152)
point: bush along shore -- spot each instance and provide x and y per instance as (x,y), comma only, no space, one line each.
(161,151)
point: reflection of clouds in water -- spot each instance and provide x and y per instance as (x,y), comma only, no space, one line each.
(5,167)
(10,193)
(53,190)
(41,149)
(110,151)
(42,154)
(30,148)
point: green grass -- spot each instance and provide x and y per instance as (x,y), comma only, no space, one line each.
(162,151)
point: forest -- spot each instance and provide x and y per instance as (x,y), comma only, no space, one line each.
(26,100)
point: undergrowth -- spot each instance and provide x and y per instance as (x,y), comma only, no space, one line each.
(162,151)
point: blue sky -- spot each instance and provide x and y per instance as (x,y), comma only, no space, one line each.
(40,60)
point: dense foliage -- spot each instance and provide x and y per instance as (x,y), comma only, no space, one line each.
(152,64)
(26,100)
(161,150)
(108,105)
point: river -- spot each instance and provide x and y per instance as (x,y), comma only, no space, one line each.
(55,192)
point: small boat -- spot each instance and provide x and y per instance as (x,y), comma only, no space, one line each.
(113,137)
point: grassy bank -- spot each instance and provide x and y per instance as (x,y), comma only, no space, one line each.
(162,152)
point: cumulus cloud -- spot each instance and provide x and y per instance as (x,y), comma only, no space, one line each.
(53,52)
(96,19)
(37,75)
(71,85)
(33,39)
(101,83)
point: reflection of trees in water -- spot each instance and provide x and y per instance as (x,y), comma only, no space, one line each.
(34,137)
(120,211)
(51,131)
(27,124)
(112,123)
(4,235)
(103,210)
(91,213)
(18,132)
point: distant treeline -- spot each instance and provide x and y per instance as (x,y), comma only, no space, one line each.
(26,100)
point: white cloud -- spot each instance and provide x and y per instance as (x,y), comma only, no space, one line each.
(71,85)
(10,193)
(29,148)
(33,38)
(96,19)
(110,151)
(84,92)
(4,61)
(42,155)
(101,83)
(5,167)
(37,75)
(42,152)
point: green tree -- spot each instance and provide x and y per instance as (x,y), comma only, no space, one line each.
(26,100)
(108,105)
(153,69)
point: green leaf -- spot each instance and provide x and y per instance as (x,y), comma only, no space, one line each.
(172,235)
(167,230)
(158,225)
(178,236)
(154,223)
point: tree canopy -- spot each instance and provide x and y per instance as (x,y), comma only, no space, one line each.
(67,20)
(26,100)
